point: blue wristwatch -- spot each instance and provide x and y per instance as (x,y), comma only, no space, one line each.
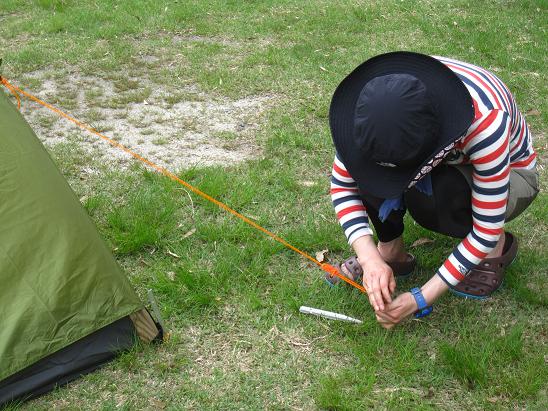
(424,308)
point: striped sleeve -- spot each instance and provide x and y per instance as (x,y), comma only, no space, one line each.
(347,202)
(487,146)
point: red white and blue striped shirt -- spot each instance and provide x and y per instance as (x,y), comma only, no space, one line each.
(497,140)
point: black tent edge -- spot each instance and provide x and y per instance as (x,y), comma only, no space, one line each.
(71,362)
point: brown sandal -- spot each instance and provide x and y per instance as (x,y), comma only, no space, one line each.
(487,277)
(352,269)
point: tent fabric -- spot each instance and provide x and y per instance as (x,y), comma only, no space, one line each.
(58,280)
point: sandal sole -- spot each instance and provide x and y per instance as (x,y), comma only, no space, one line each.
(470,296)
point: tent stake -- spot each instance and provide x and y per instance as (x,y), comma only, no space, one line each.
(328,314)
(156,310)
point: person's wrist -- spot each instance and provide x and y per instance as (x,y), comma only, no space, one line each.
(429,294)
(369,257)
(370,260)
(433,289)
(364,245)
(411,303)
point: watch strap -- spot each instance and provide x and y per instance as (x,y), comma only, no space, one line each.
(423,308)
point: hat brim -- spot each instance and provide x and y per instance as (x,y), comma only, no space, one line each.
(452,99)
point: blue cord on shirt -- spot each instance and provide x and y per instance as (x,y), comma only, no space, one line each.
(424,185)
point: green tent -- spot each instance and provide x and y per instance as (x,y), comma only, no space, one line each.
(65,305)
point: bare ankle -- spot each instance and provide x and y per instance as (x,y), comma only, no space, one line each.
(497,251)
(392,251)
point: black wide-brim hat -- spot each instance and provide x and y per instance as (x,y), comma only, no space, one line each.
(454,110)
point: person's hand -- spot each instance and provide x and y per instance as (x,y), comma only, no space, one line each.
(398,310)
(378,280)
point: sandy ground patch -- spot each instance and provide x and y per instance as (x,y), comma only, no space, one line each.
(175,128)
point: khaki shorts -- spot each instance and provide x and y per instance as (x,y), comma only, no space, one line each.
(522,190)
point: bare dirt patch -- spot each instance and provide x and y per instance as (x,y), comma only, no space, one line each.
(175,128)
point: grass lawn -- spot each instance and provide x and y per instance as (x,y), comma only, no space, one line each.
(178,80)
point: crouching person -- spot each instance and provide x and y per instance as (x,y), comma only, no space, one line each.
(444,140)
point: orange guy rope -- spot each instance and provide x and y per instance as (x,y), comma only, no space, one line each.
(331,270)
(12,90)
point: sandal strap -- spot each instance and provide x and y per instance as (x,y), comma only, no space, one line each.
(354,267)
(481,283)
(487,277)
